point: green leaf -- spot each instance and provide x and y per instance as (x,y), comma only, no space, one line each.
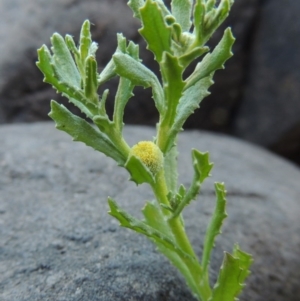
(227,285)
(173,84)
(170,169)
(181,10)
(139,172)
(82,131)
(107,73)
(210,4)
(155,31)
(74,93)
(135,6)
(124,93)
(159,236)
(212,61)
(245,261)
(63,62)
(215,17)
(85,41)
(188,103)
(139,75)
(233,273)
(91,80)
(155,219)
(199,15)
(215,225)
(156,236)
(189,57)
(202,167)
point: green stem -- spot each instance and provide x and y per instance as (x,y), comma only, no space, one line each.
(200,283)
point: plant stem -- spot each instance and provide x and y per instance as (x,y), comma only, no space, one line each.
(201,285)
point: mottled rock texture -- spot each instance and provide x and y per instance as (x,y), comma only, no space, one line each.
(58,243)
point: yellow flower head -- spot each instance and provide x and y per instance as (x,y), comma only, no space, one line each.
(150,154)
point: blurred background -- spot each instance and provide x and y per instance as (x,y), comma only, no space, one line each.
(256,98)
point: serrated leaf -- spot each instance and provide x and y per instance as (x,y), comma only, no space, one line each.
(103,123)
(63,62)
(91,80)
(202,167)
(164,242)
(181,10)
(124,93)
(212,61)
(138,171)
(188,103)
(107,73)
(210,4)
(215,17)
(135,6)
(189,57)
(75,94)
(156,236)
(155,218)
(227,285)
(173,83)
(85,41)
(155,31)
(82,131)
(215,224)
(170,169)
(139,75)
(199,14)
(245,261)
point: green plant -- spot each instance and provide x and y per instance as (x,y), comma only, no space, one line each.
(72,71)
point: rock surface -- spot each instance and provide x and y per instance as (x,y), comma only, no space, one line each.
(58,243)
(271,106)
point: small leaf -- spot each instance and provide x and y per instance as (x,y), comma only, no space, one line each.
(181,10)
(107,73)
(199,14)
(227,285)
(170,169)
(173,83)
(202,167)
(215,17)
(85,40)
(139,75)
(155,31)
(245,261)
(63,62)
(138,171)
(82,131)
(74,93)
(215,225)
(155,218)
(91,83)
(156,236)
(135,6)
(189,57)
(124,93)
(188,103)
(212,61)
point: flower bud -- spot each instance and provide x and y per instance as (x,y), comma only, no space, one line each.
(150,154)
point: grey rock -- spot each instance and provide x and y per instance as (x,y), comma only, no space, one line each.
(58,243)
(271,106)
